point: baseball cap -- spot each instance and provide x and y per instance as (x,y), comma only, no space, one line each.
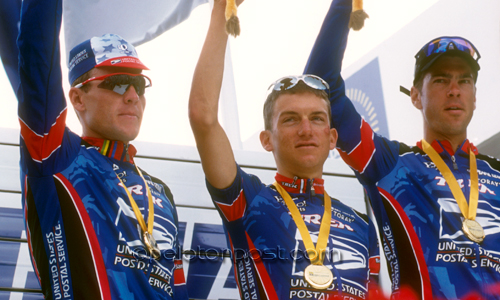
(445,45)
(106,50)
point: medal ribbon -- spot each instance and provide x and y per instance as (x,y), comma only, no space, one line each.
(468,210)
(137,212)
(324,229)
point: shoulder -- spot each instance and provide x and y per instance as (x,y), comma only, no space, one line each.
(357,215)
(244,183)
(405,149)
(492,162)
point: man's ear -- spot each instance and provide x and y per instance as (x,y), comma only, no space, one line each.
(76,98)
(333,138)
(265,140)
(416,95)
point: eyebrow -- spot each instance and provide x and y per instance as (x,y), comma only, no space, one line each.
(291,112)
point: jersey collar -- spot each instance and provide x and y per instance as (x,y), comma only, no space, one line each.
(441,146)
(299,185)
(114,149)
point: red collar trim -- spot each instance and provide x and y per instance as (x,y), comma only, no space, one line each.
(299,186)
(468,145)
(441,146)
(113,149)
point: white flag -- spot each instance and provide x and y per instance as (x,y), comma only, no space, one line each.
(136,21)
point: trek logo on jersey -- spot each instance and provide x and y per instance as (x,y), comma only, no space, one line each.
(483,189)
(290,185)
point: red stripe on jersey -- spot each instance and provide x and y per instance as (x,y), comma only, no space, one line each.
(362,154)
(267,284)
(236,210)
(179,278)
(425,283)
(93,242)
(41,147)
(374,265)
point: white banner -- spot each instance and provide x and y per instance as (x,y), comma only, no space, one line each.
(136,21)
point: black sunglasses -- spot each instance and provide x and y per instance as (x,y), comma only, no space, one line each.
(120,82)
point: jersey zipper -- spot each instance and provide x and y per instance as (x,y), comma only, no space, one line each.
(454,161)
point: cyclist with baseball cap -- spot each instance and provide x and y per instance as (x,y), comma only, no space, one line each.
(282,235)
(436,203)
(98,227)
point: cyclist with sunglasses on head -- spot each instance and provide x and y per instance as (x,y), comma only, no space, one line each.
(437,203)
(289,239)
(98,227)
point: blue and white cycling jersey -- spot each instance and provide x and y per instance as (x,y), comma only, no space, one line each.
(420,221)
(83,236)
(258,222)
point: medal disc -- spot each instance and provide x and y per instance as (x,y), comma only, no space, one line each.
(150,243)
(318,276)
(473,230)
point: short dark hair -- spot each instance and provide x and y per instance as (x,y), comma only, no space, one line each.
(419,79)
(299,88)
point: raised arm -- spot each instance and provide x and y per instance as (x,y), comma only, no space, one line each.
(42,106)
(370,155)
(216,155)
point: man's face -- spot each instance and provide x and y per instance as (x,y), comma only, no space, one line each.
(447,98)
(109,115)
(301,137)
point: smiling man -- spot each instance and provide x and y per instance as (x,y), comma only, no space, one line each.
(98,227)
(289,240)
(437,203)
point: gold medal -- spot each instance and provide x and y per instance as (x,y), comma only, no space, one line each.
(150,243)
(147,229)
(473,230)
(318,276)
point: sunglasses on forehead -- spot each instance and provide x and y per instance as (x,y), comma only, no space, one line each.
(289,82)
(120,82)
(446,43)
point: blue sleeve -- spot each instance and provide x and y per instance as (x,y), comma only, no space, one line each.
(9,17)
(42,106)
(369,154)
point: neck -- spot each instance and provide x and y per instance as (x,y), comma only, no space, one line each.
(301,175)
(115,149)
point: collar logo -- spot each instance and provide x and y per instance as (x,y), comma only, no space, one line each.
(290,185)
